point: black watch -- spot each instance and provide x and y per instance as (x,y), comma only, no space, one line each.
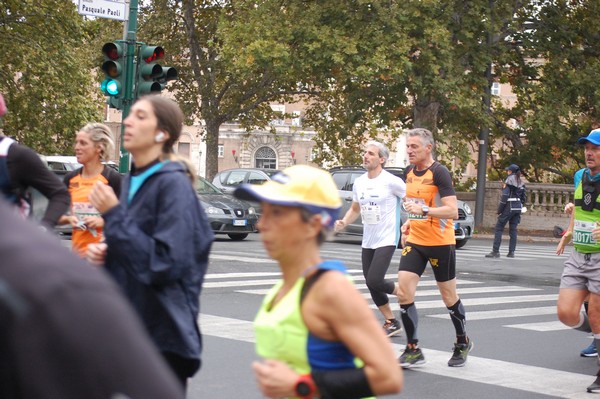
(425,210)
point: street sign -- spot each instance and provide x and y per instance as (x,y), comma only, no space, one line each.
(104,9)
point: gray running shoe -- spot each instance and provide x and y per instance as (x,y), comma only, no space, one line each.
(411,357)
(493,255)
(392,327)
(459,356)
(596,385)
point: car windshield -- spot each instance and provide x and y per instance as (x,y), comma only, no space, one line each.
(203,186)
(271,172)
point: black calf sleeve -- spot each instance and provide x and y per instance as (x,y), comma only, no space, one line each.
(410,320)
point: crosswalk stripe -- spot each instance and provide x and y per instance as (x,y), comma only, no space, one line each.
(471,302)
(425,283)
(541,327)
(245,259)
(503,313)
(498,373)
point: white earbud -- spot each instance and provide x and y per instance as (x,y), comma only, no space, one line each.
(159,137)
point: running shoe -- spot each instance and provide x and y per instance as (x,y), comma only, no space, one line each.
(493,255)
(459,356)
(392,327)
(510,255)
(595,387)
(590,351)
(411,357)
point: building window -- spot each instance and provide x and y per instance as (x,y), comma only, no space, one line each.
(265,158)
(184,149)
(296,121)
(220,150)
(495,89)
(280,110)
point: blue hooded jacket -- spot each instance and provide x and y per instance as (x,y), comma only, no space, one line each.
(158,245)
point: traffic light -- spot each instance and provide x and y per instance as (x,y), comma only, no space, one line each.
(152,77)
(113,67)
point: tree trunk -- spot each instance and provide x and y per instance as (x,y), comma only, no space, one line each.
(212,149)
(425,114)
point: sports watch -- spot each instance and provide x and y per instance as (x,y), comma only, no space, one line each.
(425,210)
(305,387)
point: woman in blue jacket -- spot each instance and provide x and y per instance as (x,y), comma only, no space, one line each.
(157,237)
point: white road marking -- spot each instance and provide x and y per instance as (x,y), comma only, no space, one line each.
(541,327)
(503,313)
(497,373)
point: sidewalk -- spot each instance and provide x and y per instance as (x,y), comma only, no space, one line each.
(523,235)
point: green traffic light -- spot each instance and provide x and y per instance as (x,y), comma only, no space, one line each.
(110,87)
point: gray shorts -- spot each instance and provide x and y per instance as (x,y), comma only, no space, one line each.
(582,272)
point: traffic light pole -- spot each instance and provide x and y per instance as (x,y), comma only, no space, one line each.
(131,40)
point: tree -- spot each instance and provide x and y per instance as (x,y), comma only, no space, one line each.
(556,85)
(342,58)
(46,76)
(367,67)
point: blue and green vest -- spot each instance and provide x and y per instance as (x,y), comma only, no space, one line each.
(281,333)
(587,212)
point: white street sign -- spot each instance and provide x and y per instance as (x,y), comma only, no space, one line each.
(104,9)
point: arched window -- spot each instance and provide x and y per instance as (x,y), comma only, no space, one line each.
(265,158)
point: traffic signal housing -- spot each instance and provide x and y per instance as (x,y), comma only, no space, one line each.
(152,77)
(113,67)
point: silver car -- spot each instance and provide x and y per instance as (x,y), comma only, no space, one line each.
(344,177)
(228,180)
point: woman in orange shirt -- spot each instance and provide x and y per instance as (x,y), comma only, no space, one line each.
(93,145)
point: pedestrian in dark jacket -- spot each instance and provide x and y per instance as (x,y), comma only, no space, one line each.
(157,237)
(512,203)
(20,169)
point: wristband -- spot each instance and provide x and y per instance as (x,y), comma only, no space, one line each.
(305,387)
(342,384)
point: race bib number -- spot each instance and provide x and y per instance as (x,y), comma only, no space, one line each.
(419,201)
(83,209)
(582,232)
(371,214)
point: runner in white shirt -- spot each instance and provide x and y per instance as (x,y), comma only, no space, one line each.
(377,197)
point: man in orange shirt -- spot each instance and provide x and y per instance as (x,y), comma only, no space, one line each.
(428,237)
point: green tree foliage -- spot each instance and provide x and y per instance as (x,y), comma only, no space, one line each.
(556,83)
(45,74)
(234,59)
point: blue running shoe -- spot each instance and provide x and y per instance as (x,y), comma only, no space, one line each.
(590,351)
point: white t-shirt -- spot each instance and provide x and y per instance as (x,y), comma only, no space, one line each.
(379,201)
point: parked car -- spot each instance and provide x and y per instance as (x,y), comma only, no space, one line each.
(228,180)
(61,163)
(226,214)
(344,177)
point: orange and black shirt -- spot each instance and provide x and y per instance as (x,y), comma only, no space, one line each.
(80,189)
(430,186)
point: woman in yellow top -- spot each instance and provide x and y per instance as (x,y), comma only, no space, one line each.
(315,332)
(93,145)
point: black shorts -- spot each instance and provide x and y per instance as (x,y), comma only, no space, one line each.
(442,258)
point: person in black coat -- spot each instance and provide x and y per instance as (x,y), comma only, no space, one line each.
(157,235)
(512,203)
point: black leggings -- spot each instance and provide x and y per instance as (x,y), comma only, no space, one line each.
(375,264)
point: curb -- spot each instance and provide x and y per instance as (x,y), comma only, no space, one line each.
(522,237)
